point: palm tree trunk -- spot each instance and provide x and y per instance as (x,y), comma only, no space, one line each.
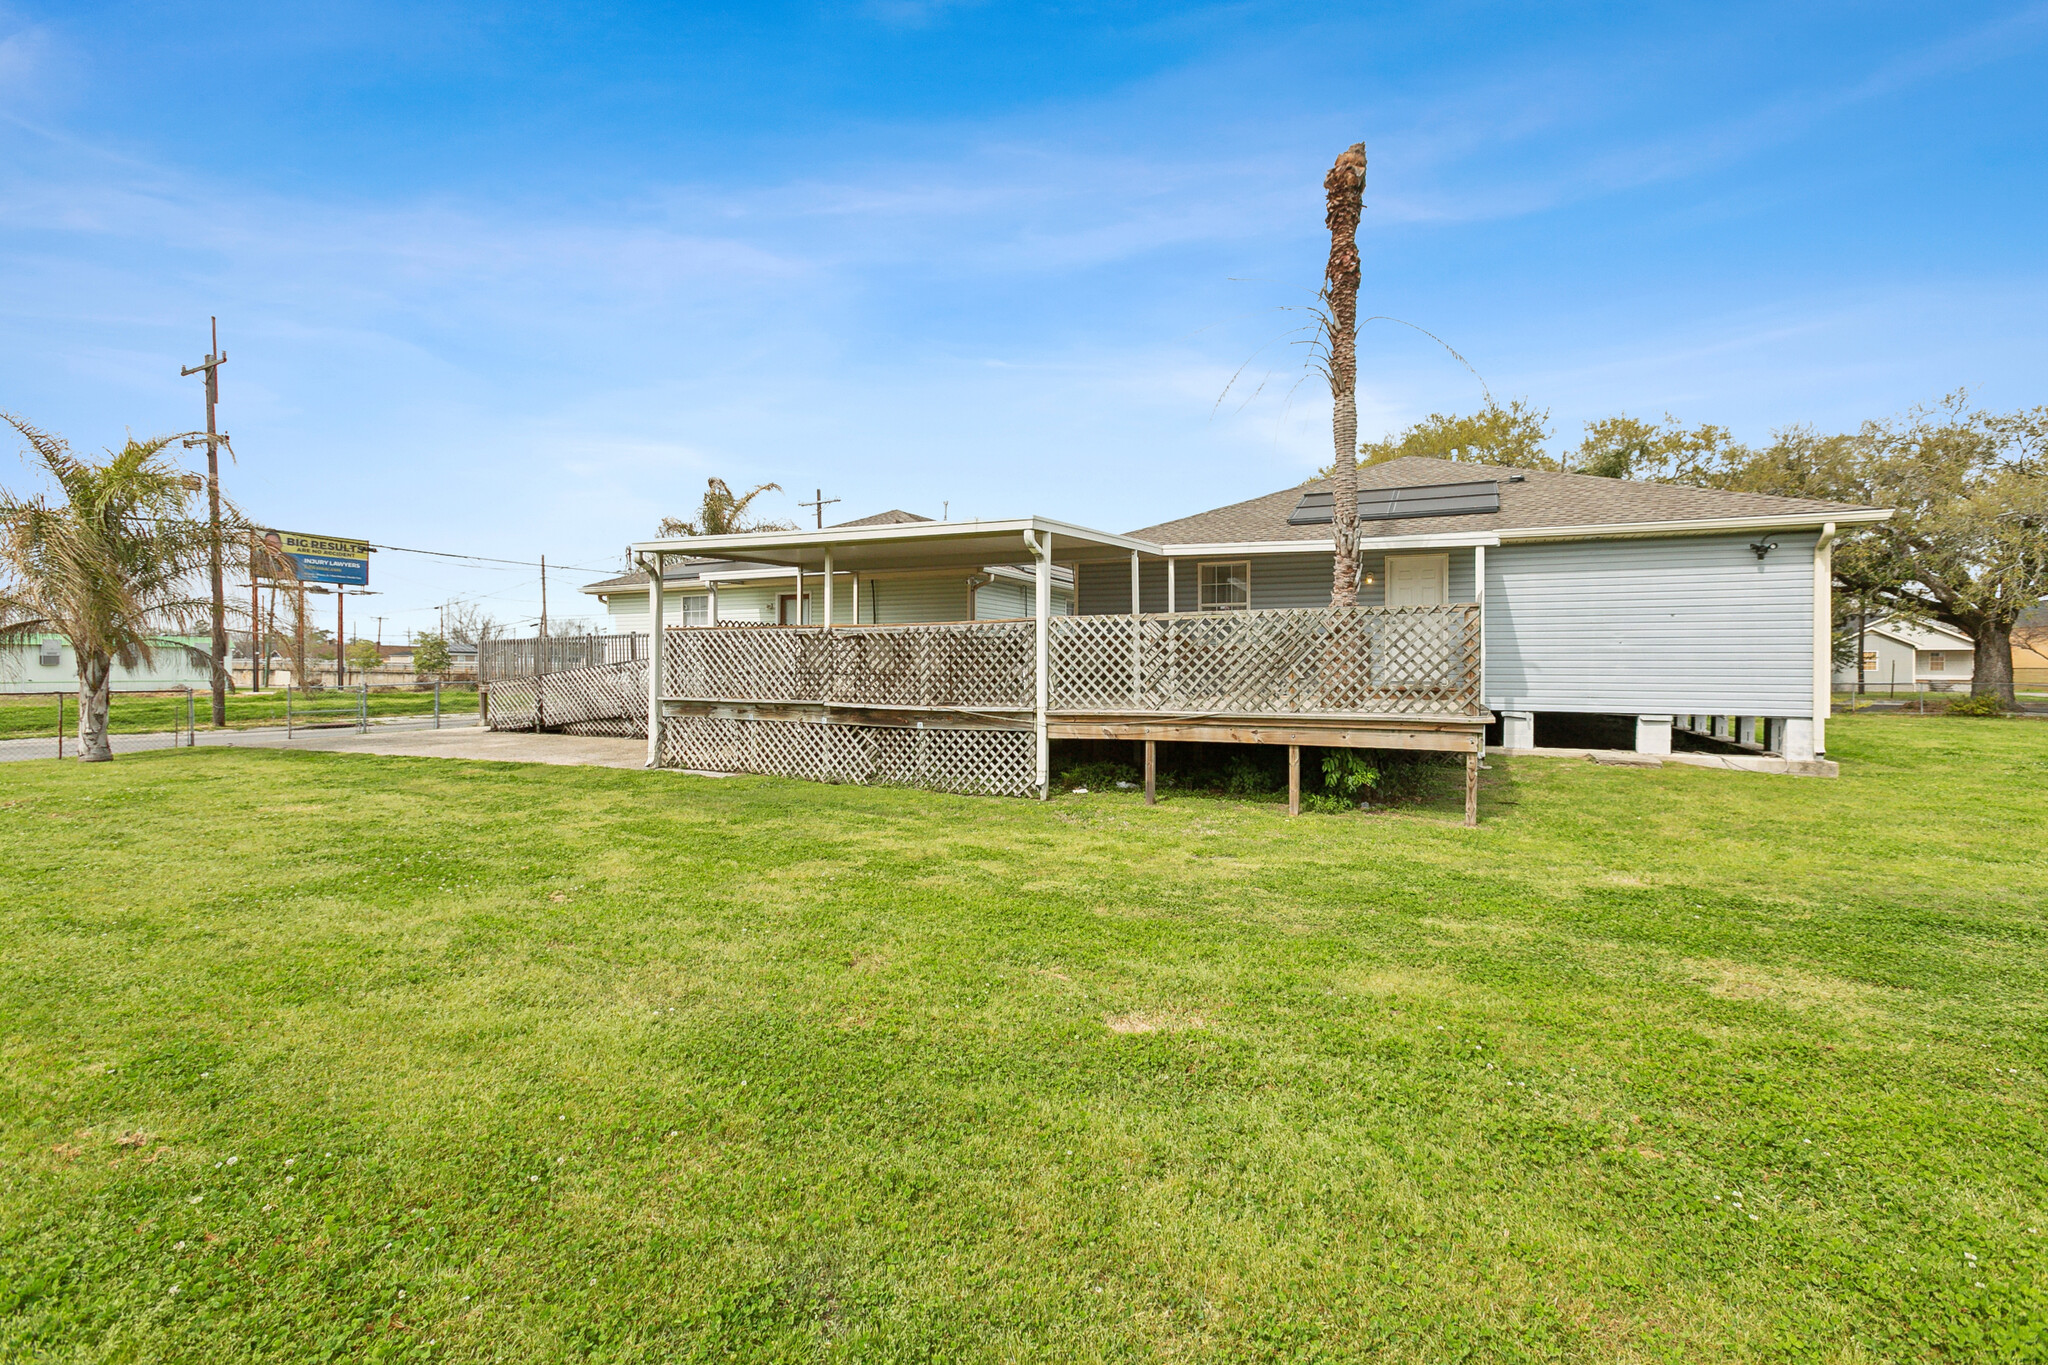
(1344,190)
(95,679)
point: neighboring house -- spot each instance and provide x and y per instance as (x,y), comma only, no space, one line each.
(49,664)
(1491,600)
(702,592)
(1899,656)
(2030,650)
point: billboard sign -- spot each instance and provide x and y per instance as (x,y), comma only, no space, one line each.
(322,559)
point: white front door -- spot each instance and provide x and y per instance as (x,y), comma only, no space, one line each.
(1418,580)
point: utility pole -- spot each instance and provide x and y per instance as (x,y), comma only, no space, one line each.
(258,655)
(821,503)
(211,368)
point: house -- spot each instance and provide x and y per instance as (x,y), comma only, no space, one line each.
(2030,650)
(706,591)
(1899,656)
(1493,604)
(49,664)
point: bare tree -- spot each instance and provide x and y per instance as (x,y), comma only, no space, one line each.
(1344,191)
(469,624)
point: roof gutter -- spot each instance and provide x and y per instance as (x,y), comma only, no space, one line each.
(1702,526)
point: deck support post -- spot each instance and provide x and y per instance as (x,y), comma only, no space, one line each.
(1472,789)
(828,588)
(1151,772)
(1294,779)
(1041,620)
(655,640)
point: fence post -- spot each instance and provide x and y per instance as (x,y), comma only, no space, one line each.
(287,710)
(60,725)
(191,722)
(437,703)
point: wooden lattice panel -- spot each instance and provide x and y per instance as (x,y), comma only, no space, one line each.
(605,699)
(962,664)
(1319,661)
(977,762)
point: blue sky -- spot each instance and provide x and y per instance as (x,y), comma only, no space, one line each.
(516,280)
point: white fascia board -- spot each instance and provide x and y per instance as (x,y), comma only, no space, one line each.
(1794,521)
(756,543)
(1455,540)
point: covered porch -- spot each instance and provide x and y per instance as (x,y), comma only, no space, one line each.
(973,705)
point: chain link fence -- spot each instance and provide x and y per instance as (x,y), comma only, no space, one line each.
(45,724)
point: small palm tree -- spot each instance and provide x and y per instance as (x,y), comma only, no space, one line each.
(724,513)
(108,557)
(1344,194)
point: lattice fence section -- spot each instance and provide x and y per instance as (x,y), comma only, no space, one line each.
(604,699)
(1325,660)
(503,659)
(971,665)
(975,762)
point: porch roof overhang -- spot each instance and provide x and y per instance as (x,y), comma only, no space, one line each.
(910,545)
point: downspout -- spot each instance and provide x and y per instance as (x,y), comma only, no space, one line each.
(1823,630)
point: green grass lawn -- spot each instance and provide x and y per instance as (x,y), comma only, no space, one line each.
(313,1056)
(25,717)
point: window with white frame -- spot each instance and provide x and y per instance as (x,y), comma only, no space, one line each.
(1226,586)
(696,609)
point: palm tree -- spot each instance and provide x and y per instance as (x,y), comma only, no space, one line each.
(108,557)
(724,513)
(1344,192)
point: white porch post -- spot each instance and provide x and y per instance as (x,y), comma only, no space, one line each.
(1041,545)
(711,606)
(1172,596)
(1137,638)
(656,642)
(796,610)
(1479,596)
(854,578)
(1135,608)
(828,588)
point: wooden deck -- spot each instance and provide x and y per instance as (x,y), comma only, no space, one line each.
(956,705)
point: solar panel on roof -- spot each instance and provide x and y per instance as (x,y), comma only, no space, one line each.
(1391,504)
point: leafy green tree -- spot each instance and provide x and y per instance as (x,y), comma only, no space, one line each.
(106,556)
(723,512)
(1967,544)
(430,655)
(364,654)
(1511,435)
(1625,447)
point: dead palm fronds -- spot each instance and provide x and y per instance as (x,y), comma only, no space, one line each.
(107,557)
(724,513)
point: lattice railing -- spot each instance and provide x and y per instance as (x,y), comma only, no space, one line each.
(977,762)
(1298,661)
(604,699)
(964,665)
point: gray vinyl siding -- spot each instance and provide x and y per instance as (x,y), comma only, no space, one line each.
(1694,624)
(1276,581)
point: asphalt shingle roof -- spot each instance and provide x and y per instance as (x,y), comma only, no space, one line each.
(1543,498)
